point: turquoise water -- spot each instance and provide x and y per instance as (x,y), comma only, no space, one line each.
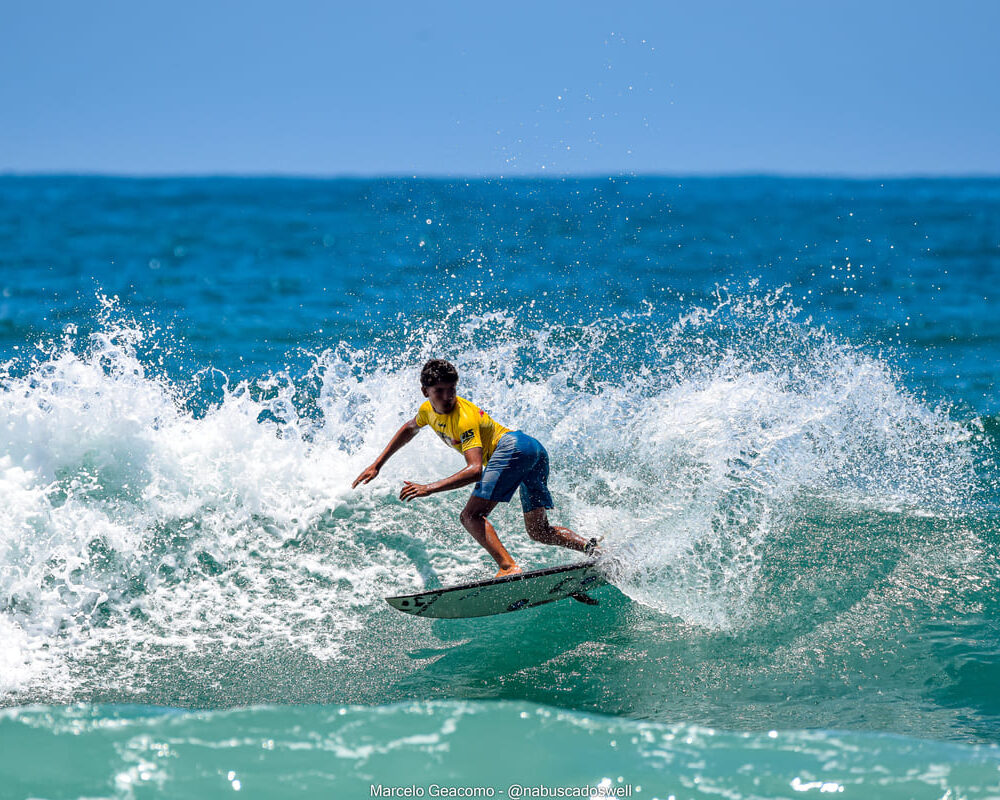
(439,747)
(774,398)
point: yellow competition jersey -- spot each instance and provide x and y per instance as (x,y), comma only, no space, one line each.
(464,428)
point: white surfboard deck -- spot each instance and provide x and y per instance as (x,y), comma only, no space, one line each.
(500,595)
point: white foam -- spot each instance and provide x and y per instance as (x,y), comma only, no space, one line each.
(15,657)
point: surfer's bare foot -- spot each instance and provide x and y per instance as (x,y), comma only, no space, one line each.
(505,571)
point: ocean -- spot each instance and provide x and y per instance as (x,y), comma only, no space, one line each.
(774,398)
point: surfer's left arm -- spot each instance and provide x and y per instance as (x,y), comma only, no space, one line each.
(473,469)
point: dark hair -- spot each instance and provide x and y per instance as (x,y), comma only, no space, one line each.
(437,371)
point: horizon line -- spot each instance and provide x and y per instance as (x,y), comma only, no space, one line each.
(540,176)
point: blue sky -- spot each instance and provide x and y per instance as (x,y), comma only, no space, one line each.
(330,88)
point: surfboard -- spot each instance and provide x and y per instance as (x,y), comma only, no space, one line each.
(500,595)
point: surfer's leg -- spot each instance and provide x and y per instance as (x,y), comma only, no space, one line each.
(536,523)
(474,521)
(535,498)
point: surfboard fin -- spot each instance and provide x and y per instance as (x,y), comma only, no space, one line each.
(585,598)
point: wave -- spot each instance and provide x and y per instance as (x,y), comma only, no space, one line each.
(156,520)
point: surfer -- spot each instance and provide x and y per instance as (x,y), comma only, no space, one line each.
(497,459)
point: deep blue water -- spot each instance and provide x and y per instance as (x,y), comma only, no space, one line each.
(248,270)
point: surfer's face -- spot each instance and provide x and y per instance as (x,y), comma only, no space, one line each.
(442,397)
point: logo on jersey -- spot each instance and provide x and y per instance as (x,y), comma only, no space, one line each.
(468,435)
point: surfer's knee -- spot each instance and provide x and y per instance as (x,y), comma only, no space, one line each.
(536,520)
(468,516)
(540,533)
(538,527)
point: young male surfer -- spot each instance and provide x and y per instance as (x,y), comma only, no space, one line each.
(497,460)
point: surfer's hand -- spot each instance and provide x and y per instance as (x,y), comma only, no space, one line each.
(411,490)
(366,476)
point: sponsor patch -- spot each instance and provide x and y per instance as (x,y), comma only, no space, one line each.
(467,435)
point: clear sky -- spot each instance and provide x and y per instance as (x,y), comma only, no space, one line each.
(469,88)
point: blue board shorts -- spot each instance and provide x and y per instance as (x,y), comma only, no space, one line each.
(519,460)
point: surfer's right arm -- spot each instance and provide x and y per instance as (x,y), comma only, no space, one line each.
(403,436)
